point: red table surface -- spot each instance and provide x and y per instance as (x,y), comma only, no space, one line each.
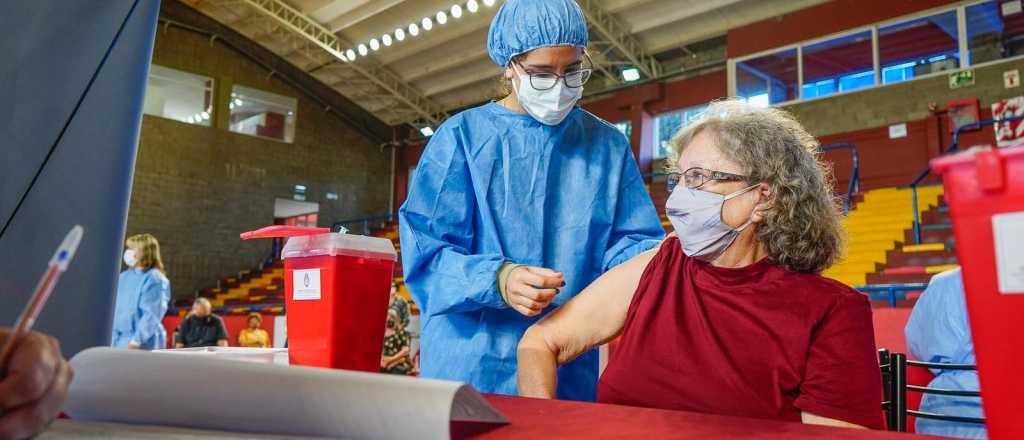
(535,418)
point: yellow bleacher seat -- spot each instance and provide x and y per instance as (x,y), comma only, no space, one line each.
(925,247)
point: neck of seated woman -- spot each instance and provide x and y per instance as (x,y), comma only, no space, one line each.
(746,250)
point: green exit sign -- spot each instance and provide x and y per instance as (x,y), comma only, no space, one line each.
(961,79)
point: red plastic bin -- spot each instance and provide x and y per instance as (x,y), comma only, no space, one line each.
(337,288)
(985,192)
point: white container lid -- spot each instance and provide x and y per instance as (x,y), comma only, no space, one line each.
(334,244)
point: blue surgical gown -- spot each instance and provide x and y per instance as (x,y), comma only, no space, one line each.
(494,186)
(938,331)
(142,298)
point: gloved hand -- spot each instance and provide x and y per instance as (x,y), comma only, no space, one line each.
(529,290)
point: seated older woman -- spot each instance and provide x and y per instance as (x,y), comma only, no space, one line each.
(732,317)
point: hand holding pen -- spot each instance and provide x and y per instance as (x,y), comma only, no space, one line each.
(34,376)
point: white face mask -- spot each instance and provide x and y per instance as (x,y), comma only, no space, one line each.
(549,107)
(130,259)
(696,216)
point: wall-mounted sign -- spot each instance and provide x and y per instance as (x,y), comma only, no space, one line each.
(1011,78)
(961,79)
(1011,7)
(898,131)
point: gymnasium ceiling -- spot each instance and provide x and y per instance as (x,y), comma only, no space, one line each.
(422,79)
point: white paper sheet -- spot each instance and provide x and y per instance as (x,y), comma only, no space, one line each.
(204,392)
(1008,234)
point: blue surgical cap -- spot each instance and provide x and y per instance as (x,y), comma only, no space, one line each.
(525,25)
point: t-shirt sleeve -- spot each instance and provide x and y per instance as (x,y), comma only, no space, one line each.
(842,379)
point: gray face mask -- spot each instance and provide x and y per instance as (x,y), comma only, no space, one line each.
(696,216)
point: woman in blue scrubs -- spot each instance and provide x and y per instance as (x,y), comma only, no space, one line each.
(519,204)
(143,293)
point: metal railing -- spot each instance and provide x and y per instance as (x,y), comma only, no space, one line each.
(364,224)
(954,146)
(891,292)
(854,185)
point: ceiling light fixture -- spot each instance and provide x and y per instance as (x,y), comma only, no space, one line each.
(631,74)
(374,44)
(427,24)
(427,131)
(414,29)
(363,50)
(386,39)
(350,54)
(488,3)
(473,6)
(399,34)
(456,11)
(442,17)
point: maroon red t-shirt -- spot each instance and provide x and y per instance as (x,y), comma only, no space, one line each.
(758,341)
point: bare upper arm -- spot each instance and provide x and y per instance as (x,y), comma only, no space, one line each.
(813,419)
(593,317)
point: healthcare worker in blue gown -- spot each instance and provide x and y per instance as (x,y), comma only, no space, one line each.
(939,331)
(143,293)
(519,204)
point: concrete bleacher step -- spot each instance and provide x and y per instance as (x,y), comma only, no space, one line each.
(943,235)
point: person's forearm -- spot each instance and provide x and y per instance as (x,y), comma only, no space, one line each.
(538,366)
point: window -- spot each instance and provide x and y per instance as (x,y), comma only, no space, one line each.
(667,125)
(768,79)
(994,32)
(904,49)
(263,114)
(838,65)
(918,47)
(178,95)
(626,127)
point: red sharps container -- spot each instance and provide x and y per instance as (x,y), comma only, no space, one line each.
(985,191)
(337,288)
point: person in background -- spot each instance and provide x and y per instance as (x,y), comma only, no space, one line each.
(400,306)
(939,331)
(518,204)
(143,293)
(201,328)
(395,359)
(732,317)
(33,391)
(253,336)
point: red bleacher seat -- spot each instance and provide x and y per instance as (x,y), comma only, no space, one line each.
(905,270)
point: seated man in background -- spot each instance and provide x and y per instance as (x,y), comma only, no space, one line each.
(201,328)
(938,331)
(33,390)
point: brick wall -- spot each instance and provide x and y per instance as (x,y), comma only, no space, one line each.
(196,188)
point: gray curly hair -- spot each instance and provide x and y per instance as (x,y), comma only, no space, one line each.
(802,229)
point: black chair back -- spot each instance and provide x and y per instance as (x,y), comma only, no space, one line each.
(895,387)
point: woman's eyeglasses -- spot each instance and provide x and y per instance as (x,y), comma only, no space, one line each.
(548,80)
(696,177)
